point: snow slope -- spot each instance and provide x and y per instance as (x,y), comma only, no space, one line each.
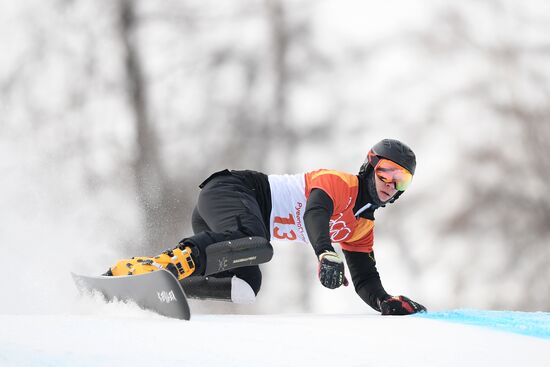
(99,334)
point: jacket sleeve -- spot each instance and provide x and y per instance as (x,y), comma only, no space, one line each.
(317,215)
(365,277)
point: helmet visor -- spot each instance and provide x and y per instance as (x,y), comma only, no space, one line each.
(390,172)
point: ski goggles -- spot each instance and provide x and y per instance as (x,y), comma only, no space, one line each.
(390,172)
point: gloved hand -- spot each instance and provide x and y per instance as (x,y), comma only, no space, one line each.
(400,305)
(331,270)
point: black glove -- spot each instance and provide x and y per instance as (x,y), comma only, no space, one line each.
(400,305)
(331,270)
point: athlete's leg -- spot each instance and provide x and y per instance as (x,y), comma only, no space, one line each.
(226,209)
(251,274)
(231,239)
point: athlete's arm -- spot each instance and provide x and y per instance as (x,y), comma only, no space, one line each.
(365,277)
(317,215)
(319,208)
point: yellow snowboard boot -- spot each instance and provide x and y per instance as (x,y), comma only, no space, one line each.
(178,261)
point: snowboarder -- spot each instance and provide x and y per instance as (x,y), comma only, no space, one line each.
(239,212)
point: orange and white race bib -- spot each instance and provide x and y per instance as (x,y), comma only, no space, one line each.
(288,203)
(289,195)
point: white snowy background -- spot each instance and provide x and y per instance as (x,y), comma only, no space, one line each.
(93,172)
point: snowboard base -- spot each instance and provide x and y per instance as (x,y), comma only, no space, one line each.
(158,291)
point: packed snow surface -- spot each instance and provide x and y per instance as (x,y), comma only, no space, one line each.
(99,334)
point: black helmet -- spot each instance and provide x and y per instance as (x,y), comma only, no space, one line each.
(391,149)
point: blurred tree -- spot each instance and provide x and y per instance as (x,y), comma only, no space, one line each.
(150,177)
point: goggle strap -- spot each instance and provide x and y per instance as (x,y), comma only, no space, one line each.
(365,207)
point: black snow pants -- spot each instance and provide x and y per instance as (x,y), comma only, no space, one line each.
(227,205)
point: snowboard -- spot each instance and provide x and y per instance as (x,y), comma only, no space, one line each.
(158,291)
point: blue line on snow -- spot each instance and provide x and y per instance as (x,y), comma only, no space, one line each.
(535,324)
